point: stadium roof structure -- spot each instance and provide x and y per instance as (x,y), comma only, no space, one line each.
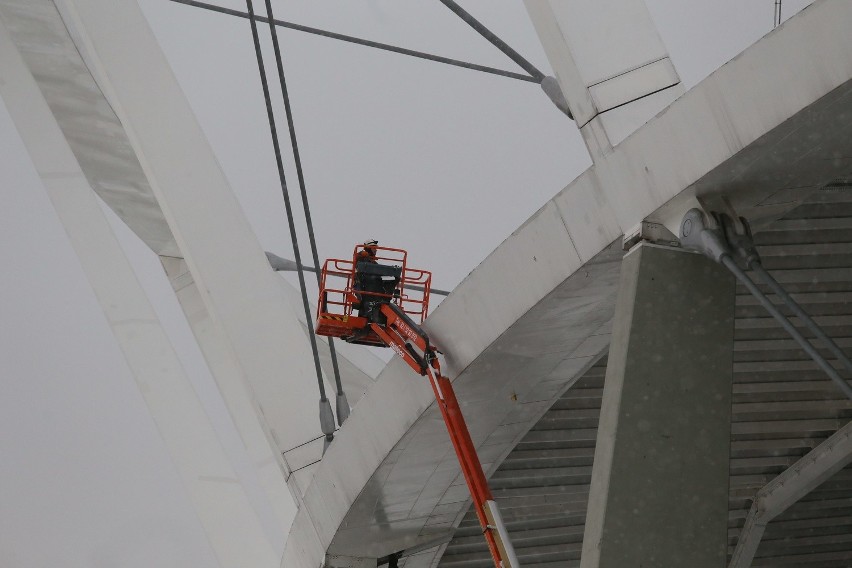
(767,135)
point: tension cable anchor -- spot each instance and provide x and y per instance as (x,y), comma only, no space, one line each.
(719,237)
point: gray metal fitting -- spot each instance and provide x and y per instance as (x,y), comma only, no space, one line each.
(738,236)
(277,263)
(342,408)
(552,89)
(694,235)
(326,417)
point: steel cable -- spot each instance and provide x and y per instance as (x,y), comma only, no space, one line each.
(495,41)
(342,403)
(279,264)
(364,42)
(785,323)
(801,313)
(283,180)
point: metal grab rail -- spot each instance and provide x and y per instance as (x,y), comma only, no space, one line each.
(413,279)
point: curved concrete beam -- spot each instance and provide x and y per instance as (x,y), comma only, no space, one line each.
(763,131)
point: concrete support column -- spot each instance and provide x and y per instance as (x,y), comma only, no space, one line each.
(270,353)
(659,490)
(224,508)
(223,366)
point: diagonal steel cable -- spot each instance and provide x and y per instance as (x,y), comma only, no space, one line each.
(495,41)
(342,404)
(360,41)
(325,407)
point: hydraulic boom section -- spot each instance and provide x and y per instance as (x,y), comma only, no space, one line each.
(391,301)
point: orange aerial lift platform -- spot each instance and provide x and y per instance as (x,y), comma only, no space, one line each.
(376,299)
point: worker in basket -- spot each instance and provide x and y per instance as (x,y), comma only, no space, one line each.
(375,283)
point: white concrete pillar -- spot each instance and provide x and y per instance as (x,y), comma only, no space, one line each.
(269,351)
(232,526)
(261,451)
(659,490)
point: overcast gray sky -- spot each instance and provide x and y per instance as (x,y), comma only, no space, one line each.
(445,162)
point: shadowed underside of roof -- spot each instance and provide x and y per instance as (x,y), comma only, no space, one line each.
(783,407)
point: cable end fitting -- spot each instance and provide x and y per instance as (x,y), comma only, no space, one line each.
(342,408)
(278,264)
(326,417)
(695,235)
(551,88)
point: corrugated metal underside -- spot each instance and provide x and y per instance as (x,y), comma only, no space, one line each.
(783,406)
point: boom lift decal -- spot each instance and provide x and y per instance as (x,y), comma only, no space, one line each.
(382,302)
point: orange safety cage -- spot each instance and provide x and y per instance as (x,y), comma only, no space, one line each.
(337,313)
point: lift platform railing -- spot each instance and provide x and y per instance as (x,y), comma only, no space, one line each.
(340,297)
